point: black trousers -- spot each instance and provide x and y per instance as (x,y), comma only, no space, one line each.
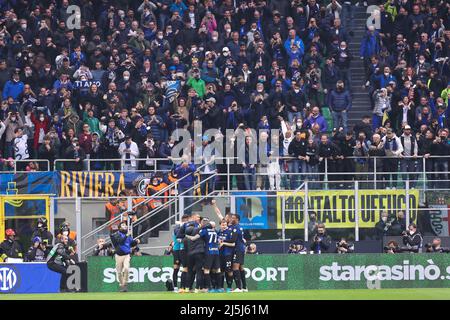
(62,270)
(195,265)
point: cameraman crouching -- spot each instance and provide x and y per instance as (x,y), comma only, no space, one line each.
(321,240)
(58,260)
(435,247)
(412,239)
(123,243)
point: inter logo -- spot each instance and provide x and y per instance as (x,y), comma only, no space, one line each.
(8,279)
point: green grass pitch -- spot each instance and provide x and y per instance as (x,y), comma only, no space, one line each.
(363,294)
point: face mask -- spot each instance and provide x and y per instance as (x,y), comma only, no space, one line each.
(160,37)
(228,30)
(384,219)
(299,124)
(42,118)
(13,118)
(411,232)
(24,26)
(386,74)
(343,48)
(65,233)
(229,77)
(225,53)
(126,78)
(171,145)
(179,51)
(47,69)
(215,39)
(422,61)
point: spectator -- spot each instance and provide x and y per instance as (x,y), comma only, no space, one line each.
(13,88)
(321,241)
(340,103)
(185,173)
(38,251)
(316,118)
(384,226)
(382,107)
(75,155)
(129,151)
(393,149)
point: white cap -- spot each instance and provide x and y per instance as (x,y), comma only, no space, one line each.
(224,49)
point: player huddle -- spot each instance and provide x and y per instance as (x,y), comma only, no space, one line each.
(209,256)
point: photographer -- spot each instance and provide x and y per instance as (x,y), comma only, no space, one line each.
(343,247)
(58,260)
(297,247)
(412,239)
(383,227)
(321,240)
(123,243)
(435,247)
(103,249)
(391,247)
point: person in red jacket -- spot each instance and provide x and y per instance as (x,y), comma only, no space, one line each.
(41,126)
(85,139)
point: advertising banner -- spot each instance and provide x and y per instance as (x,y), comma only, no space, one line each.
(253,209)
(99,184)
(292,272)
(28,278)
(337,208)
(439,219)
(27,183)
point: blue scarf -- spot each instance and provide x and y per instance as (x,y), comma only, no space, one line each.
(394,145)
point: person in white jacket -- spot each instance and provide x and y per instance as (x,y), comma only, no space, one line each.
(129,151)
(287,138)
(394,149)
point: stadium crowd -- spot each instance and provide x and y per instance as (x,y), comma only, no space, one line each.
(134,71)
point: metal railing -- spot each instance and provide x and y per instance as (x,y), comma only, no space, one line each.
(90,164)
(160,194)
(177,213)
(17,165)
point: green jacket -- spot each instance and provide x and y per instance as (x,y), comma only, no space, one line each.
(391,9)
(198,86)
(94,124)
(445,94)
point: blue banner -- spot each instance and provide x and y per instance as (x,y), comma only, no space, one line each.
(96,184)
(27,183)
(252,207)
(28,278)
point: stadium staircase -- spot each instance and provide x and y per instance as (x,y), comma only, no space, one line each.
(151,244)
(360,97)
